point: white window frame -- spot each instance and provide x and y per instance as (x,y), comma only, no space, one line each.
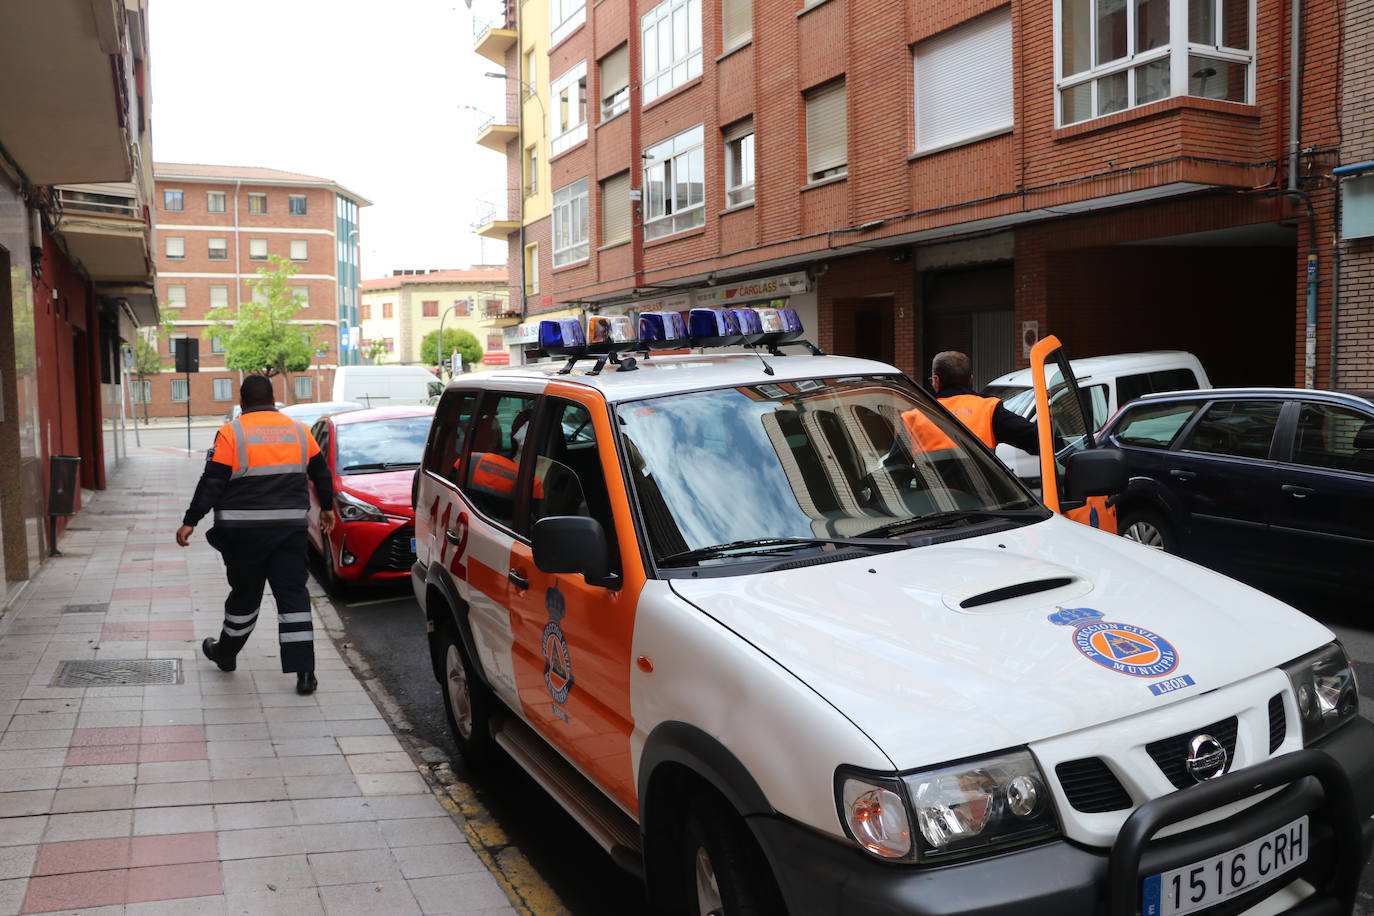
(255,246)
(571,222)
(216,346)
(301,294)
(176,300)
(304,391)
(564,18)
(300,250)
(210,249)
(214,304)
(568,109)
(213,197)
(180,198)
(663,29)
(531,69)
(223,384)
(665,163)
(532,269)
(140,390)
(739,188)
(820,171)
(973,100)
(1177,51)
(182,385)
(257,195)
(291,200)
(618,102)
(174,247)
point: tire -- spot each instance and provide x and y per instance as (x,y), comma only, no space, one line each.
(468,703)
(1147,527)
(722,870)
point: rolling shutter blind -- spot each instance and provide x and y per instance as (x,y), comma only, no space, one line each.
(737,21)
(615,209)
(615,71)
(826,143)
(742,128)
(964,82)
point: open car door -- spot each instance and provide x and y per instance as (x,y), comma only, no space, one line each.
(1061,419)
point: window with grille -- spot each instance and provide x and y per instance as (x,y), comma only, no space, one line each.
(615,209)
(963,83)
(218,249)
(224,389)
(141,391)
(257,202)
(674,185)
(670,50)
(739,163)
(568,109)
(305,387)
(615,82)
(181,391)
(827,127)
(570,223)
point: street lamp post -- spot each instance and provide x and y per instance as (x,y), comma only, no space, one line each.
(439,343)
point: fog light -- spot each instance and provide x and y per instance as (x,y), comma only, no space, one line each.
(346,557)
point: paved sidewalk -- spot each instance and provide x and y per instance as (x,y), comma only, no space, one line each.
(220,793)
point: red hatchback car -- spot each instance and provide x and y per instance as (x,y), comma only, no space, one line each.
(372,456)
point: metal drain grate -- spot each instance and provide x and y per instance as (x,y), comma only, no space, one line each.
(142,672)
(100,608)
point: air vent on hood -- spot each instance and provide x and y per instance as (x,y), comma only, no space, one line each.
(1019,590)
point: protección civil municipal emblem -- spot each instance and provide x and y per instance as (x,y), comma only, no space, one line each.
(1120,647)
(558,676)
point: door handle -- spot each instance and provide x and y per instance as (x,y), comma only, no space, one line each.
(1298,492)
(517,577)
(1182,475)
(453,537)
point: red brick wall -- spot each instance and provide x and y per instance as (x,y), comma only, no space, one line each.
(1355,343)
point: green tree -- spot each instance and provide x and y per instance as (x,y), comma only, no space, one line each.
(454,339)
(148,354)
(260,336)
(376,350)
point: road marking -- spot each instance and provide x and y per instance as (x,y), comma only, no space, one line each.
(376,601)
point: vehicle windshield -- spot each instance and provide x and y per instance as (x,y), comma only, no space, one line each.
(1020,401)
(309,413)
(844,457)
(381,445)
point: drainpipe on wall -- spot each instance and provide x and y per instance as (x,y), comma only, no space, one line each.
(1309,371)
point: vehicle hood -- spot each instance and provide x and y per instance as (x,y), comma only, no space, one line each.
(387,490)
(883,637)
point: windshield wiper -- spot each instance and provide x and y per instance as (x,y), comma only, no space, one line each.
(382,466)
(753,546)
(949,517)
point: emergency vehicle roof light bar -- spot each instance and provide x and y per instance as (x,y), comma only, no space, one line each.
(663,331)
(713,328)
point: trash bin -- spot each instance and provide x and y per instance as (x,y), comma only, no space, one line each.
(62,484)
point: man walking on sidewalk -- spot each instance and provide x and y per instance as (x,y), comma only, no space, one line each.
(255,481)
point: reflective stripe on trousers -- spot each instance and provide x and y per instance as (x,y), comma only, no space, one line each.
(254,557)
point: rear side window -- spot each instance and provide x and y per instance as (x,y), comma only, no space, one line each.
(490,469)
(1130,387)
(1326,439)
(1154,425)
(1242,429)
(449,434)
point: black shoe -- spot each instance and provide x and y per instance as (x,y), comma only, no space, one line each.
(305,682)
(208,647)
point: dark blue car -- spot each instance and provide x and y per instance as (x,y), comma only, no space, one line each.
(1273,486)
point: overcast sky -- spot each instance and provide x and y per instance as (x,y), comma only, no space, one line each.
(382,97)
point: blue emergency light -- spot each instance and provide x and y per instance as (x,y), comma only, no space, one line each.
(750,325)
(562,337)
(663,331)
(713,328)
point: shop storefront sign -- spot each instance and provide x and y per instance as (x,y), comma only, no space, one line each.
(750,290)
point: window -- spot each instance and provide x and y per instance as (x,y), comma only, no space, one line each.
(495,342)
(386,309)
(1118,54)
(1334,437)
(570,223)
(257,249)
(564,17)
(365,312)
(300,250)
(737,22)
(257,202)
(173,200)
(1130,387)
(305,387)
(739,163)
(493,307)
(568,467)
(671,47)
(141,390)
(216,345)
(429,308)
(674,185)
(218,249)
(460,307)
(224,389)
(219,296)
(451,421)
(181,390)
(172,342)
(390,344)
(1154,425)
(1240,428)
(615,209)
(532,170)
(569,109)
(493,465)
(963,82)
(297,204)
(532,269)
(615,82)
(176,296)
(301,294)
(827,128)
(531,69)
(175,246)
(214,201)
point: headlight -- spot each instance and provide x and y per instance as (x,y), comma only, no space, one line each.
(1325,689)
(971,807)
(353,509)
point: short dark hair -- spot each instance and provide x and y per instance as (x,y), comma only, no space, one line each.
(953,369)
(256,391)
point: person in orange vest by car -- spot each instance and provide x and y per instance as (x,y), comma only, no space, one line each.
(951,378)
(495,473)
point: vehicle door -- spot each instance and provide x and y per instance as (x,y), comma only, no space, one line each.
(1064,430)
(1321,530)
(572,637)
(1221,472)
(469,521)
(322,438)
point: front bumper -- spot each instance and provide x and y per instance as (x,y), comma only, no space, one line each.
(1334,784)
(381,550)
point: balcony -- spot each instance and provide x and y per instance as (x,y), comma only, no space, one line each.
(494,135)
(105,227)
(493,223)
(492,41)
(502,315)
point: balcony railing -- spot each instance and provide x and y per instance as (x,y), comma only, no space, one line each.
(89,201)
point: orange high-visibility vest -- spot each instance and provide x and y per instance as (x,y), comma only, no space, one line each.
(494,473)
(267,455)
(973,411)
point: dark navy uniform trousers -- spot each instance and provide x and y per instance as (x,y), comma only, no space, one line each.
(259,556)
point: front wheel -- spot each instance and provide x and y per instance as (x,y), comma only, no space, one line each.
(467,701)
(723,871)
(1145,526)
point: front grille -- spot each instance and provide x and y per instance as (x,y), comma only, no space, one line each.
(1171,754)
(1091,786)
(1278,722)
(393,554)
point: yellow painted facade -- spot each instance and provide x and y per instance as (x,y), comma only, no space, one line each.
(462,303)
(534,121)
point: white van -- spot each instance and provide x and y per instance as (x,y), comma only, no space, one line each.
(1107,383)
(385,386)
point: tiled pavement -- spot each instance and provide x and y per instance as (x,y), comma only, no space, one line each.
(223,794)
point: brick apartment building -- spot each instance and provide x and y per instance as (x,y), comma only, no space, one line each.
(404,307)
(1354,248)
(916,177)
(216,226)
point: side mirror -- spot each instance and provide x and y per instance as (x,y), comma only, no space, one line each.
(1365,437)
(415,487)
(1099,472)
(572,544)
